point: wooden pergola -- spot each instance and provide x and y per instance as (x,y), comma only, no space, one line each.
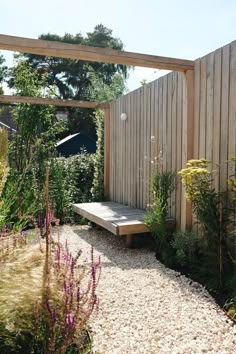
(87,53)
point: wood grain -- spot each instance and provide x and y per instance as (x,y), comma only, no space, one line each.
(52,101)
(103,55)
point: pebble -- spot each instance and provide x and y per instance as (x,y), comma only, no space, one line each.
(146,308)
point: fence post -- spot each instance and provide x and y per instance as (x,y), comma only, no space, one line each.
(187,142)
(107,153)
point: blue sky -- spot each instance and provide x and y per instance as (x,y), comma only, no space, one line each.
(184,29)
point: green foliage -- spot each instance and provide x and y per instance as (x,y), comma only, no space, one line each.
(3,70)
(59,191)
(230,307)
(100,91)
(162,185)
(185,244)
(74,79)
(3,159)
(47,298)
(70,182)
(215,212)
(98,180)
(32,146)
(80,171)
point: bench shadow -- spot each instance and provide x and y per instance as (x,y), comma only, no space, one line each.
(116,254)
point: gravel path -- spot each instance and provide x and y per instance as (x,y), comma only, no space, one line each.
(146,308)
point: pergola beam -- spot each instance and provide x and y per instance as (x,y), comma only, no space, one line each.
(94,54)
(52,101)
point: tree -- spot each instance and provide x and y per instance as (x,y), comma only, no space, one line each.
(74,78)
(2,72)
(32,146)
(35,124)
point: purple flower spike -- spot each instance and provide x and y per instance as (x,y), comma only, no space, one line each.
(78,294)
(54,315)
(48,308)
(93,272)
(65,287)
(69,320)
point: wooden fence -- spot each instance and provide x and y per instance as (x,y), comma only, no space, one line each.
(215,108)
(156,126)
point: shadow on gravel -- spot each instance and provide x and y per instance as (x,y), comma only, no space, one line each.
(113,247)
(116,254)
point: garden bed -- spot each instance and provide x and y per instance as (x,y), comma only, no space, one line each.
(146,307)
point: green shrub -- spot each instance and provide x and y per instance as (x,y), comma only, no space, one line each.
(216,215)
(162,185)
(215,212)
(230,307)
(185,244)
(70,182)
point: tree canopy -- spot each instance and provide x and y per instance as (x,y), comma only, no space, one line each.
(76,79)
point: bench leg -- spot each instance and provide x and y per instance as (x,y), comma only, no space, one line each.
(129,240)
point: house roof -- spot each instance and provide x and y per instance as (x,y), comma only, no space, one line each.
(6,126)
(66,139)
(6,119)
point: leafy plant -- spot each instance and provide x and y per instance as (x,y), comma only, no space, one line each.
(162,185)
(97,189)
(33,145)
(38,320)
(3,158)
(70,182)
(230,307)
(215,212)
(185,243)
(47,294)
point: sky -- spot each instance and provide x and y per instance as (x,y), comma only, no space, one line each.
(180,29)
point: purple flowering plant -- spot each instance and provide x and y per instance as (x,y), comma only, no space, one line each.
(53,290)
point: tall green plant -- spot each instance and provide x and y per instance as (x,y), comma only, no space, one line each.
(3,158)
(32,146)
(98,180)
(215,211)
(162,185)
(70,182)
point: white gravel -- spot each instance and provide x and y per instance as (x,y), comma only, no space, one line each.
(146,308)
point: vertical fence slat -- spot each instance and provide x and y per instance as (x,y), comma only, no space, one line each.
(224,124)
(232,106)
(179,148)
(209,106)
(202,132)
(217,113)
(148,144)
(196,128)
(168,131)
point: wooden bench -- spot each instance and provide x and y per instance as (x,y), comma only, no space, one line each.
(117,218)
